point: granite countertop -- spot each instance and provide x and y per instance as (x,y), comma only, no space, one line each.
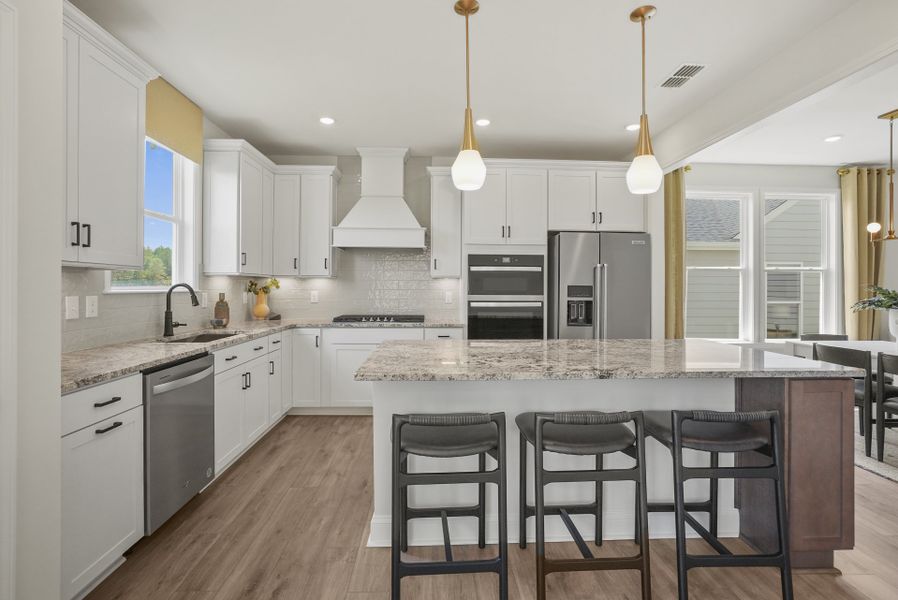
(84,368)
(582,359)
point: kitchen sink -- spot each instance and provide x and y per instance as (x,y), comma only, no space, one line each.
(201,338)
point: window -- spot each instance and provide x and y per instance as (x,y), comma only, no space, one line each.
(761,265)
(168,224)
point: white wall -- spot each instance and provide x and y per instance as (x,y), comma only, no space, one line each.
(39,254)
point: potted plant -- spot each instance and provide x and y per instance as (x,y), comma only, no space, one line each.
(261,309)
(883,299)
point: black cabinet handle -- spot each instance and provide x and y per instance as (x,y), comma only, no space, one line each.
(600,218)
(593,217)
(230,358)
(273,342)
(271,367)
(509,232)
(108,402)
(110,428)
(249,380)
(325,264)
(503,232)
(445,337)
(87,243)
(316,341)
(257,348)
(77,227)
(295,263)
(434,264)
(243,259)
(244,380)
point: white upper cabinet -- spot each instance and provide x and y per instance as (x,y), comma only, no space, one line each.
(316,254)
(445,224)
(526,207)
(593,200)
(238,199)
(572,200)
(285,228)
(105,112)
(617,208)
(510,208)
(484,210)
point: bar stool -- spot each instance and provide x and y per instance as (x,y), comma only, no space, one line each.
(729,432)
(448,436)
(584,433)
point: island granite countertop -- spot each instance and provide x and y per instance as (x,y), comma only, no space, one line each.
(84,368)
(474,360)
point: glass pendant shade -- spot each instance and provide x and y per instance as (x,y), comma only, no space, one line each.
(644,175)
(468,171)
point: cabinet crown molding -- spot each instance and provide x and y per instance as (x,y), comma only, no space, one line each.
(237,145)
(87,28)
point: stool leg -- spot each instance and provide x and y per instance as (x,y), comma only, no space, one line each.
(403,506)
(715,488)
(540,523)
(637,529)
(600,459)
(860,420)
(503,515)
(522,494)
(396,518)
(679,515)
(642,516)
(481,504)
(781,516)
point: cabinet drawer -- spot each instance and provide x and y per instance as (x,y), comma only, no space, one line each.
(274,342)
(372,335)
(230,357)
(86,407)
(443,333)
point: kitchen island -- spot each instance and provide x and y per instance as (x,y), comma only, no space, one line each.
(815,400)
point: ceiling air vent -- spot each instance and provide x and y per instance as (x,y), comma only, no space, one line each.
(682,75)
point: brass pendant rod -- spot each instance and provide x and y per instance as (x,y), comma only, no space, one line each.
(467,64)
(643,65)
(892,178)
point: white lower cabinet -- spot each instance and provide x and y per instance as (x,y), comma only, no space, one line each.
(255,400)
(306,370)
(230,387)
(275,386)
(344,352)
(444,333)
(286,372)
(102,497)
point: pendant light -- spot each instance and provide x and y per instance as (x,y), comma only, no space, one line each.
(468,170)
(644,175)
(875,229)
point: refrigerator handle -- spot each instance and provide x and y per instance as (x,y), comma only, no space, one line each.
(604,301)
(600,311)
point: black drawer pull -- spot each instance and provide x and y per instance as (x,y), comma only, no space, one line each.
(77,226)
(271,367)
(275,342)
(444,337)
(110,428)
(108,402)
(257,348)
(230,358)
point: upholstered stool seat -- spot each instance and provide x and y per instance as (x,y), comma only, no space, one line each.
(707,437)
(584,440)
(449,442)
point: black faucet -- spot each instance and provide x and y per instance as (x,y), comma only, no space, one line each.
(169,325)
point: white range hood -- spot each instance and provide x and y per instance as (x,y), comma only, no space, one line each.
(381,218)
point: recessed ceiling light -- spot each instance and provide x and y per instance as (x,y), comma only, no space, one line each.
(482,122)
(832,138)
(327,120)
(633,127)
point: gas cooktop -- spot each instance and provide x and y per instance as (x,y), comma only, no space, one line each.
(379,319)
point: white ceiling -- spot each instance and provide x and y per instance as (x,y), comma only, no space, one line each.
(795,135)
(557,79)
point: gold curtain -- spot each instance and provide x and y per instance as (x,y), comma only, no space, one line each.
(675,255)
(173,120)
(863,201)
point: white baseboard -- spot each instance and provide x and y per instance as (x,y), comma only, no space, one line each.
(99,579)
(617,525)
(331,410)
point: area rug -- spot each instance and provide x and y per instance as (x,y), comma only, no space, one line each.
(888,468)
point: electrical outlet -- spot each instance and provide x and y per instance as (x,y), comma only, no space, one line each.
(71,307)
(204,300)
(313,297)
(91,308)
(447,298)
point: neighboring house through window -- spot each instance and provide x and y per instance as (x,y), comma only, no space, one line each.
(168,224)
(761,266)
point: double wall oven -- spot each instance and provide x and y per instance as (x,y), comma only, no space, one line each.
(506,298)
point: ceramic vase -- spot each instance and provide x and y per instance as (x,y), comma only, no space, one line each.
(261,309)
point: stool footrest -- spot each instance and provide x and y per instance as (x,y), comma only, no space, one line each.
(490,565)
(436,512)
(706,535)
(407,479)
(770,472)
(748,560)
(554,509)
(578,539)
(631,474)
(704,506)
(565,565)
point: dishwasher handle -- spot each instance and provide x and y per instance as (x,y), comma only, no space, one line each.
(169,386)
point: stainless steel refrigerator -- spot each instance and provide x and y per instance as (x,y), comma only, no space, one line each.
(600,285)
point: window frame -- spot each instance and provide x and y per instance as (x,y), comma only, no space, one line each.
(753,268)
(186,195)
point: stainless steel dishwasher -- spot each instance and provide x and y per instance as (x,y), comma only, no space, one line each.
(179,436)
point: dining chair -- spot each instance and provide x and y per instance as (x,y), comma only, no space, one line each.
(863,388)
(887,400)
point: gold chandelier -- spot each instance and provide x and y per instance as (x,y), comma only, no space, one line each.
(875,228)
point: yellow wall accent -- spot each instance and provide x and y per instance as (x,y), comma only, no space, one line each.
(174,121)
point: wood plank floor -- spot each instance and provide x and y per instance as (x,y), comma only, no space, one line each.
(289,521)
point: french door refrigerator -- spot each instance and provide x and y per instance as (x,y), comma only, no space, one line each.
(599,285)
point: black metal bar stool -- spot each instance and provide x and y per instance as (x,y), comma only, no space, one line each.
(448,436)
(728,432)
(585,433)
